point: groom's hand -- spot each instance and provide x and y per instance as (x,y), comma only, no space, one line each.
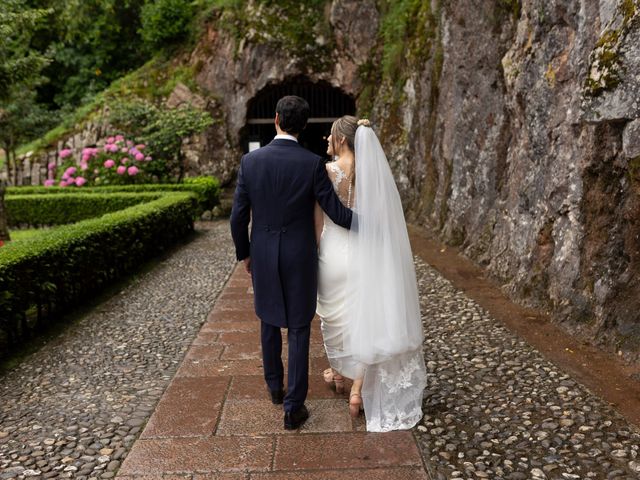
(247,265)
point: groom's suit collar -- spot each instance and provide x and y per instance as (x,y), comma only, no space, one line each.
(284,142)
(286,136)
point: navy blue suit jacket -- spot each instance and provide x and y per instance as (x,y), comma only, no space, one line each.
(277,188)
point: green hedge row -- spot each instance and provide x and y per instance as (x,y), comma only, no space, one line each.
(44,275)
(206,187)
(42,210)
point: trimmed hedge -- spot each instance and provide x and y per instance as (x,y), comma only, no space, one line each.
(206,187)
(44,275)
(40,210)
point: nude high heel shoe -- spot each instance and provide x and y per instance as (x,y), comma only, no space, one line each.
(332,377)
(355,404)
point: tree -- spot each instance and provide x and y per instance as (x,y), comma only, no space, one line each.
(165,22)
(93,43)
(4,227)
(20,73)
(21,119)
(18,63)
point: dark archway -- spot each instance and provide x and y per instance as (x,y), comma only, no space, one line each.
(327,104)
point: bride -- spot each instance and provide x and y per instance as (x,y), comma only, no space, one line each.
(367,291)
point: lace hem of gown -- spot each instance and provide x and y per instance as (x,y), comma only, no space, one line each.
(393,391)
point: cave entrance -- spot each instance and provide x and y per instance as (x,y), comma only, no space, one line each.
(327,104)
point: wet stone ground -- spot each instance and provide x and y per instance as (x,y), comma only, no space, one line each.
(495,408)
(74,408)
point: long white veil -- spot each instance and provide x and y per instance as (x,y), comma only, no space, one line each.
(385,328)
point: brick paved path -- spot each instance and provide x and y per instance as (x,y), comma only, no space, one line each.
(215,420)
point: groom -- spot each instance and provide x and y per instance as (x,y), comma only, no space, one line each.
(277,188)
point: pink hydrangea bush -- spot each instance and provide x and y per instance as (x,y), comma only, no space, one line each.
(117,161)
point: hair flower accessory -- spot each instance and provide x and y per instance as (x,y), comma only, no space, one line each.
(364,122)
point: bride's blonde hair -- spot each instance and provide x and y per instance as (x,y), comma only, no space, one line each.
(346,127)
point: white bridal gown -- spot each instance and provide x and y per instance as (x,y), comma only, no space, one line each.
(367,294)
(332,281)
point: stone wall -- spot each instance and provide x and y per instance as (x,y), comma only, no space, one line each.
(33,167)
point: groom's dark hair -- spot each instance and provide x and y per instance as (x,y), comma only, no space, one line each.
(293,112)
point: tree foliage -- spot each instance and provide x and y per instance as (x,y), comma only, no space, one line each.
(164,22)
(92,43)
(21,118)
(19,65)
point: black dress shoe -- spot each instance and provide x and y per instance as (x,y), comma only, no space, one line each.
(294,420)
(277,396)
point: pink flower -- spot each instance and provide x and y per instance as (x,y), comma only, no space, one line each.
(65,152)
(124,149)
(70,171)
(121,169)
(124,160)
(148,158)
(111,139)
(80,181)
(83,166)
(49,183)
(141,146)
(62,183)
(51,165)
(119,138)
(95,170)
(109,163)
(133,170)
(139,156)
(129,143)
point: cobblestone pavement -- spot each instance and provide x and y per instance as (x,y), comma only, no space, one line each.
(74,408)
(495,408)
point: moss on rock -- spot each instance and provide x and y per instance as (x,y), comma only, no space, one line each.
(607,69)
(302,29)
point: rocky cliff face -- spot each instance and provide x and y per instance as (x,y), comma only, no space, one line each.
(521,149)
(245,51)
(511,126)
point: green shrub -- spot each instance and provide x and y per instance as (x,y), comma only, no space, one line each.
(40,210)
(163,130)
(165,22)
(45,275)
(207,189)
